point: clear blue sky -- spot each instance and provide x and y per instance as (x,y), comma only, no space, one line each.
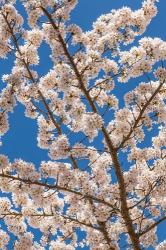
(20,141)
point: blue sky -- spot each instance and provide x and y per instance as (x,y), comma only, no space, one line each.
(20,141)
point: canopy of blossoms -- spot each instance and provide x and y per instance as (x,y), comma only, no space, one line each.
(84,188)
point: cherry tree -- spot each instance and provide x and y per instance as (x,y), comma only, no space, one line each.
(85,196)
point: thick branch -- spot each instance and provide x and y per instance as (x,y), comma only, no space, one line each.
(123,195)
(102,226)
(106,235)
(65,189)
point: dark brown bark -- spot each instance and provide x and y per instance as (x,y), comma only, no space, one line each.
(113,152)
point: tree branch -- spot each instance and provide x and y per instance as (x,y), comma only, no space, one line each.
(56,186)
(152,226)
(113,152)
